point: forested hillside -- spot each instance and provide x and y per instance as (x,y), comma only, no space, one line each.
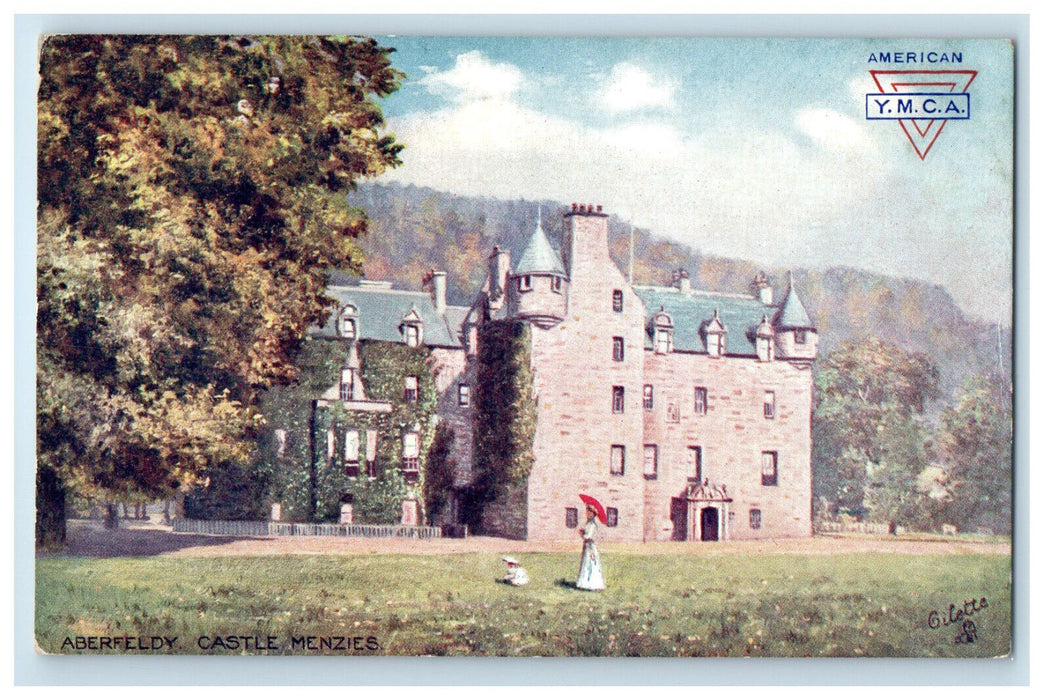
(415,229)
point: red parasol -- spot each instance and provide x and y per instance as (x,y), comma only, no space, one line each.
(593,502)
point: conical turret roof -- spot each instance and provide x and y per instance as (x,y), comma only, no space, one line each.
(792,313)
(539,257)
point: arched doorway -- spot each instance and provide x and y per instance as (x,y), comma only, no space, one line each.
(707,515)
(709,524)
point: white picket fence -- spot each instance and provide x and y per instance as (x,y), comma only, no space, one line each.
(861,528)
(248,528)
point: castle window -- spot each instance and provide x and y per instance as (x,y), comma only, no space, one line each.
(696,460)
(765,349)
(611,517)
(647,397)
(370,453)
(556,284)
(769,469)
(352,453)
(412,335)
(616,460)
(410,457)
(412,389)
(716,344)
(346,384)
(672,413)
(618,399)
(347,325)
(525,283)
(800,336)
(755,518)
(618,349)
(649,461)
(465,395)
(618,300)
(330,444)
(663,342)
(768,404)
(349,328)
(700,400)
(571,517)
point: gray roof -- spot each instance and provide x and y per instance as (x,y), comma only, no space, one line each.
(539,257)
(739,314)
(792,313)
(381,310)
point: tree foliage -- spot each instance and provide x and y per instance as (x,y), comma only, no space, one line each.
(975,439)
(505,418)
(869,445)
(191,202)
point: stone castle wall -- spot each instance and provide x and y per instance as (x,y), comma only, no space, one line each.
(451,369)
(732,435)
(574,376)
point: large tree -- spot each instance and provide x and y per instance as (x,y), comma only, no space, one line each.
(869,444)
(975,442)
(191,202)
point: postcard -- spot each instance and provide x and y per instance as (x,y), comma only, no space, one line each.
(517,347)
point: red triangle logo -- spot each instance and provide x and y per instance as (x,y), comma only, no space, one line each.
(922,133)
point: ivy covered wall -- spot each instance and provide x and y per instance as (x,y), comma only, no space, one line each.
(298,474)
(384,367)
(505,425)
(245,492)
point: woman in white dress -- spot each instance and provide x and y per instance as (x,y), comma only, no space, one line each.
(590,577)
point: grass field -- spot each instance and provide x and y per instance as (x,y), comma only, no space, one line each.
(656,605)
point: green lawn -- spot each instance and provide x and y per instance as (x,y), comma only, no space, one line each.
(656,605)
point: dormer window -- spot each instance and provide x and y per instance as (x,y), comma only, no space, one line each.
(412,328)
(716,344)
(765,349)
(714,334)
(347,324)
(662,333)
(764,341)
(525,283)
(663,343)
(412,335)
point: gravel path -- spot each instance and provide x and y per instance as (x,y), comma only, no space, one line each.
(88,538)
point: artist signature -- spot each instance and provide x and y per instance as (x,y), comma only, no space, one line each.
(963,614)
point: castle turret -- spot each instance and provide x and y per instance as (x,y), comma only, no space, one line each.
(796,333)
(538,284)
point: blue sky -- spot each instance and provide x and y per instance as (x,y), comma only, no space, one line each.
(750,148)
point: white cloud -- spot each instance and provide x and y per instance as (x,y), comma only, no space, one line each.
(474,77)
(750,193)
(631,88)
(835,131)
(823,188)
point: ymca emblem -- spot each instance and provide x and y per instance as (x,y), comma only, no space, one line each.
(921,101)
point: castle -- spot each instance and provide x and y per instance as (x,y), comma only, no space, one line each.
(686,413)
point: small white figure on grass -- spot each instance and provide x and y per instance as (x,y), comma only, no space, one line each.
(516,574)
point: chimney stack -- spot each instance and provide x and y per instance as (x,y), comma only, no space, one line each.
(499,266)
(438,284)
(681,280)
(762,290)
